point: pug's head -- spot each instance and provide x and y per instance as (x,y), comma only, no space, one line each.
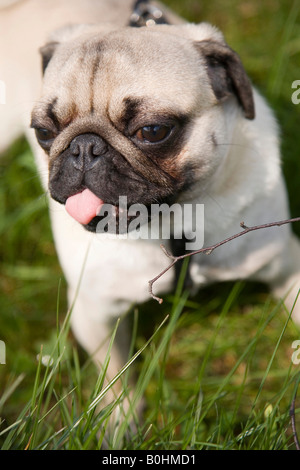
(136,112)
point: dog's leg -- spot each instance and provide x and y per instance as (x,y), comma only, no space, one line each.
(95,336)
(94,333)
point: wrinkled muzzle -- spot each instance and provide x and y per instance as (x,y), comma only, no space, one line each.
(109,134)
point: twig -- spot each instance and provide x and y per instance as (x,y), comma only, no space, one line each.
(210,249)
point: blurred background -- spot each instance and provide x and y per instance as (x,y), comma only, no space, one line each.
(266,34)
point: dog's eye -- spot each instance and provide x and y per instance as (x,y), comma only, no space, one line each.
(44,136)
(153,134)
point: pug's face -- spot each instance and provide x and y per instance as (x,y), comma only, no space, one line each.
(136,113)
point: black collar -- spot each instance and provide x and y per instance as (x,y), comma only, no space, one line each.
(145,14)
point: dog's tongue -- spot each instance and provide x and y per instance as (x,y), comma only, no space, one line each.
(84,206)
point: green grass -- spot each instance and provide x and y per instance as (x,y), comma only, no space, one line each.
(214,371)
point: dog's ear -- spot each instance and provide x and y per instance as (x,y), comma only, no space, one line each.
(227,74)
(47,52)
(59,36)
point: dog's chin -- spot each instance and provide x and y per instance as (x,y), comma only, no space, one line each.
(92,225)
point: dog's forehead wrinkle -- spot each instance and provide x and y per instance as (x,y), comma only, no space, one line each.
(51,113)
(144,48)
(44,114)
(131,107)
(148,53)
(113,62)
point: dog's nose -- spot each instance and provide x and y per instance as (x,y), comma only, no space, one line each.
(86,150)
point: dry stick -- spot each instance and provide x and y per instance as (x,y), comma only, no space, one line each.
(210,249)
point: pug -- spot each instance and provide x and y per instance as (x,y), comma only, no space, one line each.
(159,114)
